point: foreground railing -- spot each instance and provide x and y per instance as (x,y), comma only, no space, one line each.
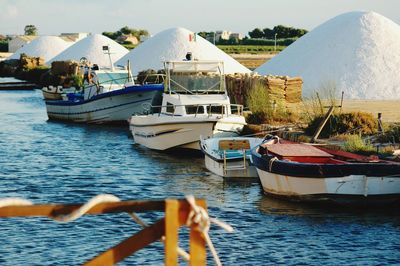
(180,212)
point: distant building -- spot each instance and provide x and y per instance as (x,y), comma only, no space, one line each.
(224,35)
(127,38)
(73,37)
(2,37)
(235,35)
(18,41)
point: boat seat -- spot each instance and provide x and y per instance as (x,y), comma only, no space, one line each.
(229,144)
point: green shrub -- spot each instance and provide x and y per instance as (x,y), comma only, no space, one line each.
(391,134)
(355,143)
(353,122)
(265,110)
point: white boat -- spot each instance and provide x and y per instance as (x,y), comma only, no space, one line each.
(108,95)
(307,173)
(230,157)
(195,103)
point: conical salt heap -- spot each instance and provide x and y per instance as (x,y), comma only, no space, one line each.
(173,45)
(91,48)
(46,47)
(358,52)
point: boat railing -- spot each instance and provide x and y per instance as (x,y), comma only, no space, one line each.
(196,109)
(178,212)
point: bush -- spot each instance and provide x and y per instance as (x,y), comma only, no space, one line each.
(353,122)
(354,143)
(265,110)
(391,134)
(4,46)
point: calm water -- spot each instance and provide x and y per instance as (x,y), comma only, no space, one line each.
(66,163)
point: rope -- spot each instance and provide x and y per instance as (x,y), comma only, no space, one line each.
(271,162)
(199,218)
(102,198)
(7,202)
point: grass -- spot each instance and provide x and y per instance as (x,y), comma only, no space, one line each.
(250,49)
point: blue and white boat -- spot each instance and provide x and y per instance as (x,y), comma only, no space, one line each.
(108,95)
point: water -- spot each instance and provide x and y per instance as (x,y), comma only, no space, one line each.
(50,162)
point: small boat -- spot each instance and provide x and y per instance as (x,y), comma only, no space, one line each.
(313,173)
(108,95)
(230,157)
(55,92)
(195,103)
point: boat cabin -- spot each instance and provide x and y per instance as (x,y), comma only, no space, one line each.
(196,88)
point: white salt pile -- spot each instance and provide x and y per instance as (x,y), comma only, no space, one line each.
(91,47)
(44,46)
(358,52)
(173,45)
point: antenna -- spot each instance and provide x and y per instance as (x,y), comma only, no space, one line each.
(107,50)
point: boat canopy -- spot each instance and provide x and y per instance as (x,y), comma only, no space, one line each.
(195,77)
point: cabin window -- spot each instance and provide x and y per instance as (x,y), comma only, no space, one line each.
(194,109)
(170,108)
(215,109)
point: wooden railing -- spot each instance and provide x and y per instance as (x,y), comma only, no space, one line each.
(176,215)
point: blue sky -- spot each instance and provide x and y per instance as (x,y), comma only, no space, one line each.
(96,16)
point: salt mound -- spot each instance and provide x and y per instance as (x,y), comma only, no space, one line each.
(358,52)
(173,44)
(91,47)
(44,46)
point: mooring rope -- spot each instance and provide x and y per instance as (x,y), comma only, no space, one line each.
(198,216)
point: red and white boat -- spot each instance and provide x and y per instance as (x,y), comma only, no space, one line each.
(312,173)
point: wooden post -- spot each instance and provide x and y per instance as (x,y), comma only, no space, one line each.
(171,232)
(198,254)
(322,124)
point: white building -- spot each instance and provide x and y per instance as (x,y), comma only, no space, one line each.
(19,41)
(224,35)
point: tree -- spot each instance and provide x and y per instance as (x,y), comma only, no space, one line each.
(268,33)
(256,33)
(30,30)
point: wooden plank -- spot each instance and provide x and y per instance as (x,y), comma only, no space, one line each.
(198,254)
(130,245)
(171,232)
(233,144)
(52,210)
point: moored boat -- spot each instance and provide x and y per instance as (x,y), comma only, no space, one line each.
(309,173)
(108,95)
(230,156)
(195,103)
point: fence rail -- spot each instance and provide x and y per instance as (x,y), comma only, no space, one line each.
(177,213)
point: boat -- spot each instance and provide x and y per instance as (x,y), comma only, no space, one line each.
(55,92)
(195,103)
(107,95)
(230,157)
(304,172)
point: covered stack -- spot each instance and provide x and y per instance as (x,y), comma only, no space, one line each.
(293,88)
(281,89)
(275,86)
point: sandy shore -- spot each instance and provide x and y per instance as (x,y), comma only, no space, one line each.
(390,109)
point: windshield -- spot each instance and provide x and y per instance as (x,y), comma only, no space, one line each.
(196,77)
(112,78)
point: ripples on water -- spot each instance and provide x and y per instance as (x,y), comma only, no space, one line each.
(67,163)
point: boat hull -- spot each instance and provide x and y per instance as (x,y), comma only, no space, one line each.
(174,135)
(111,107)
(349,183)
(163,132)
(217,167)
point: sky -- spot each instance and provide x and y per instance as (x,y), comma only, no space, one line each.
(53,17)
